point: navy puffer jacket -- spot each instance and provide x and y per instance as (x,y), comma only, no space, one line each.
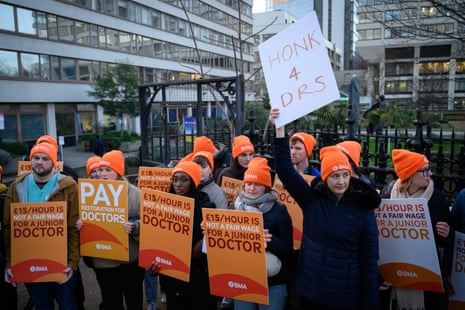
(338,261)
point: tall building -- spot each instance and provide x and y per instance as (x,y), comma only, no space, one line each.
(337,19)
(414,53)
(51,50)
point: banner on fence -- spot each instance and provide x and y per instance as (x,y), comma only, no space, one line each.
(103,207)
(407,251)
(39,239)
(169,217)
(236,254)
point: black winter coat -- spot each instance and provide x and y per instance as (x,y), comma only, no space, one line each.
(337,266)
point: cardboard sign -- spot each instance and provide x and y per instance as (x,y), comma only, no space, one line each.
(407,252)
(155,178)
(25,167)
(39,238)
(293,209)
(236,254)
(231,188)
(103,207)
(166,232)
(297,70)
(457,301)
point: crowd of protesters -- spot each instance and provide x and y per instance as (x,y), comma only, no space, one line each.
(336,266)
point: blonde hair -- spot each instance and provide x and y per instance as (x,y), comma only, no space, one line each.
(404,185)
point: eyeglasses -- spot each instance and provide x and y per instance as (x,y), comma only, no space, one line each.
(425,171)
(179,180)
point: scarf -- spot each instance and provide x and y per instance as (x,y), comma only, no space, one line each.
(409,299)
(263,204)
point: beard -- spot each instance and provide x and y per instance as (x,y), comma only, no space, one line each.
(41,171)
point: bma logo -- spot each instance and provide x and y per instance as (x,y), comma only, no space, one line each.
(164,261)
(38,268)
(105,247)
(406,274)
(238,285)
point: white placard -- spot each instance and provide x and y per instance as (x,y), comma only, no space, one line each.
(297,70)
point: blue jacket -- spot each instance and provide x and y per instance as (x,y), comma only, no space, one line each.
(337,266)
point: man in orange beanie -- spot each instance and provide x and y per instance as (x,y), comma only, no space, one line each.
(43,184)
(302,145)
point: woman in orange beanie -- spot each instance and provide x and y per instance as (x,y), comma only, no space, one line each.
(257,196)
(242,153)
(337,266)
(121,282)
(414,181)
(195,294)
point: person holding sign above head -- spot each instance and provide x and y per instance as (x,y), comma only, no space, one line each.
(257,196)
(43,184)
(337,266)
(302,145)
(120,281)
(194,294)
(242,153)
(414,181)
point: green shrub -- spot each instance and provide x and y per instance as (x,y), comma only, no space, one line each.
(15,148)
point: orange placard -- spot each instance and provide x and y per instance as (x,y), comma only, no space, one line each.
(39,250)
(236,254)
(103,207)
(24,167)
(155,178)
(293,208)
(457,300)
(166,232)
(231,188)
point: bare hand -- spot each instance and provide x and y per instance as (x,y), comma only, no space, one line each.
(154,269)
(129,227)
(69,273)
(274,114)
(442,228)
(9,276)
(79,224)
(385,286)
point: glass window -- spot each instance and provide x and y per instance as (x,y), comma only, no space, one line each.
(87,122)
(156,19)
(52,27)
(8,64)
(65,122)
(82,33)
(125,41)
(68,69)
(30,65)
(65,29)
(182,27)
(26,21)
(112,38)
(102,37)
(10,132)
(123,8)
(42,24)
(7,22)
(147,47)
(55,68)
(93,30)
(88,70)
(109,6)
(32,126)
(45,67)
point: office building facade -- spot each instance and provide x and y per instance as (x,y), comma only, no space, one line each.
(51,51)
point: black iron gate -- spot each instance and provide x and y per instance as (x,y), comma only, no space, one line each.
(164,108)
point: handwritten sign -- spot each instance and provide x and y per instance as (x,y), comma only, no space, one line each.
(103,207)
(25,167)
(155,178)
(166,232)
(407,252)
(231,188)
(297,70)
(293,209)
(236,254)
(457,301)
(39,241)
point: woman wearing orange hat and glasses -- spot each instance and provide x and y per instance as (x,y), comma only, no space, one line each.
(195,294)
(414,181)
(337,267)
(257,196)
